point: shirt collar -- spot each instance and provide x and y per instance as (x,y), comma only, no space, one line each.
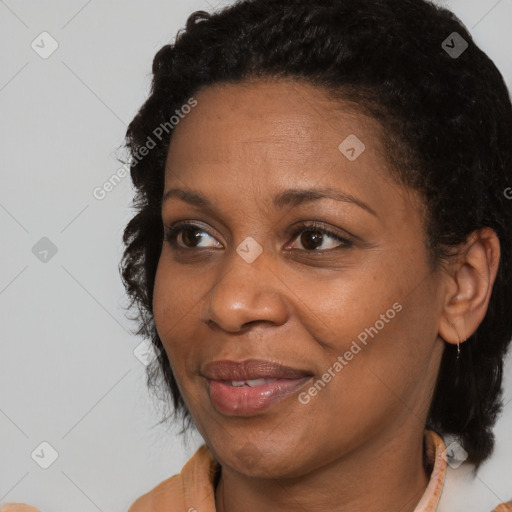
(435,455)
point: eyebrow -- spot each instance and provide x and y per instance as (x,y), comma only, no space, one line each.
(290,197)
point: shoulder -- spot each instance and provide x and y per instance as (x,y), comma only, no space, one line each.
(161,496)
(504,507)
(18,507)
(195,483)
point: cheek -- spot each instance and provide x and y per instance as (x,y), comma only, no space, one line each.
(385,357)
(367,384)
(175,296)
(381,324)
(175,312)
(342,308)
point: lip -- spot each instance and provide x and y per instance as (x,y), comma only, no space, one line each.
(247,401)
(244,400)
(251,369)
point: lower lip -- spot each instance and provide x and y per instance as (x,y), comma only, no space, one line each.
(244,400)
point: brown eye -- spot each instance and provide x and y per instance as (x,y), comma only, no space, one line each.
(313,236)
(311,240)
(189,235)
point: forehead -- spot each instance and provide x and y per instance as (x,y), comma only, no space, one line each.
(287,119)
(267,134)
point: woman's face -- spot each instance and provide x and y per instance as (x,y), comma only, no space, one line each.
(357,319)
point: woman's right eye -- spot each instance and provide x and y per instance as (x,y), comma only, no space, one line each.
(188,234)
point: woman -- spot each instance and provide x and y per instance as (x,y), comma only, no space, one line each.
(321,253)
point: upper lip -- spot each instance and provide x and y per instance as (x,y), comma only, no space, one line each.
(251,369)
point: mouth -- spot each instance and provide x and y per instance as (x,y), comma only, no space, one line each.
(250,387)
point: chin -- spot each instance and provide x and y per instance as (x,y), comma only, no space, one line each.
(257,460)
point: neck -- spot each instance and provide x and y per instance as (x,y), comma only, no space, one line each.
(386,474)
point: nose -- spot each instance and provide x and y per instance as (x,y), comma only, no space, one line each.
(245,293)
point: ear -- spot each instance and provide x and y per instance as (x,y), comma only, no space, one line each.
(470,281)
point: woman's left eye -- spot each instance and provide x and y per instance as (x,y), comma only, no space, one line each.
(312,237)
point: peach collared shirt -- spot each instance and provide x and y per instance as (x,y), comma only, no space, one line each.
(193,489)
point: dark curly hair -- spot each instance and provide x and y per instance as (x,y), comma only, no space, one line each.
(447,131)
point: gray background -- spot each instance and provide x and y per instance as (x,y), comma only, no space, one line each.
(68,372)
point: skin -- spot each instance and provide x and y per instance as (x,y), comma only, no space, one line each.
(357,445)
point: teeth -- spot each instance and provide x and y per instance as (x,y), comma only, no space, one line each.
(256,382)
(252,382)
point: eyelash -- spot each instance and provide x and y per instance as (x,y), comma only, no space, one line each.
(171,233)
